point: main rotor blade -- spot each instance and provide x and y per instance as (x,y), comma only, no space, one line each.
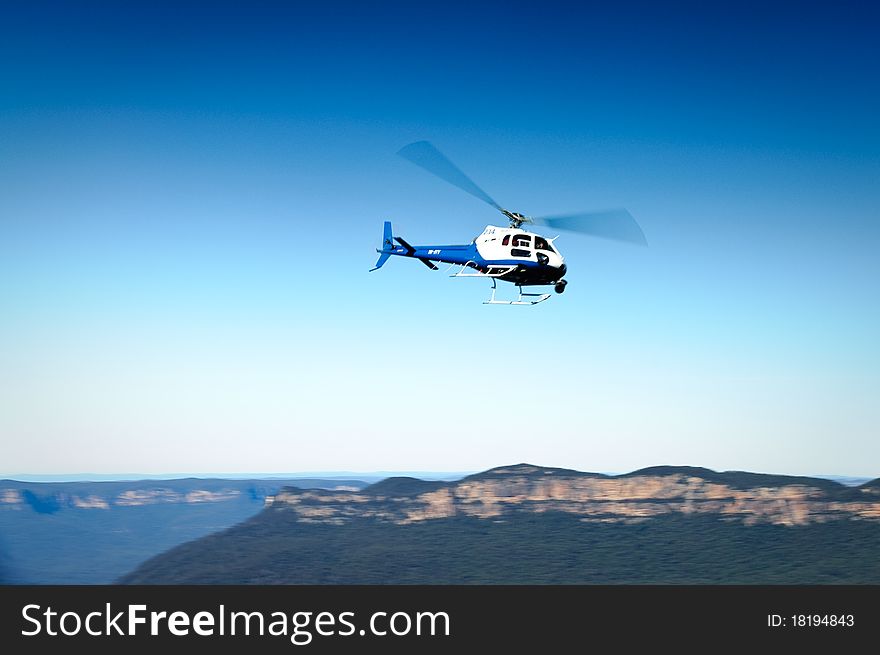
(422,153)
(615,224)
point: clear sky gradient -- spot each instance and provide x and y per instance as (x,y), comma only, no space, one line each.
(191,199)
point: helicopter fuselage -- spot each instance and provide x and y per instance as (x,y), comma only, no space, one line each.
(505,253)
(509,253)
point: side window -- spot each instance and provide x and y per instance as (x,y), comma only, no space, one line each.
(506,240)
(522,240)
(517,252)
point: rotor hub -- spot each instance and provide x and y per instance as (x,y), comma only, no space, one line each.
(516,219)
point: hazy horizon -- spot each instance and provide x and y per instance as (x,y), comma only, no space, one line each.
(365,476)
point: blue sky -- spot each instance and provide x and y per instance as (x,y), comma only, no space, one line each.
(191,201)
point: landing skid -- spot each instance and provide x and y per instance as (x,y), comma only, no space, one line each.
(540,297)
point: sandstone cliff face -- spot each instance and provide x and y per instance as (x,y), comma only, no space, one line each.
(591,497)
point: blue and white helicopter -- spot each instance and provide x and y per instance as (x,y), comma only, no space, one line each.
(511,254)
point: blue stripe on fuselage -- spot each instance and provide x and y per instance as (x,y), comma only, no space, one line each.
(456,254)
(525,272)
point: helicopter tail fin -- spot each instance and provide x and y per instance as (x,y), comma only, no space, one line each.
(387,245)
(387,238)
(382,259)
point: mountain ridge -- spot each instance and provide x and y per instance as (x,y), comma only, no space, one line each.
(527,524)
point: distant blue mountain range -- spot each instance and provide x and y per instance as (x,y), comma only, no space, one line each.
(93,532)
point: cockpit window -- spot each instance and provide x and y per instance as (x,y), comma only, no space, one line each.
(523,240)
(517,252)
(505,240)
(542,244)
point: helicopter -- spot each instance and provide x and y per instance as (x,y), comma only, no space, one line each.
(510,254)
